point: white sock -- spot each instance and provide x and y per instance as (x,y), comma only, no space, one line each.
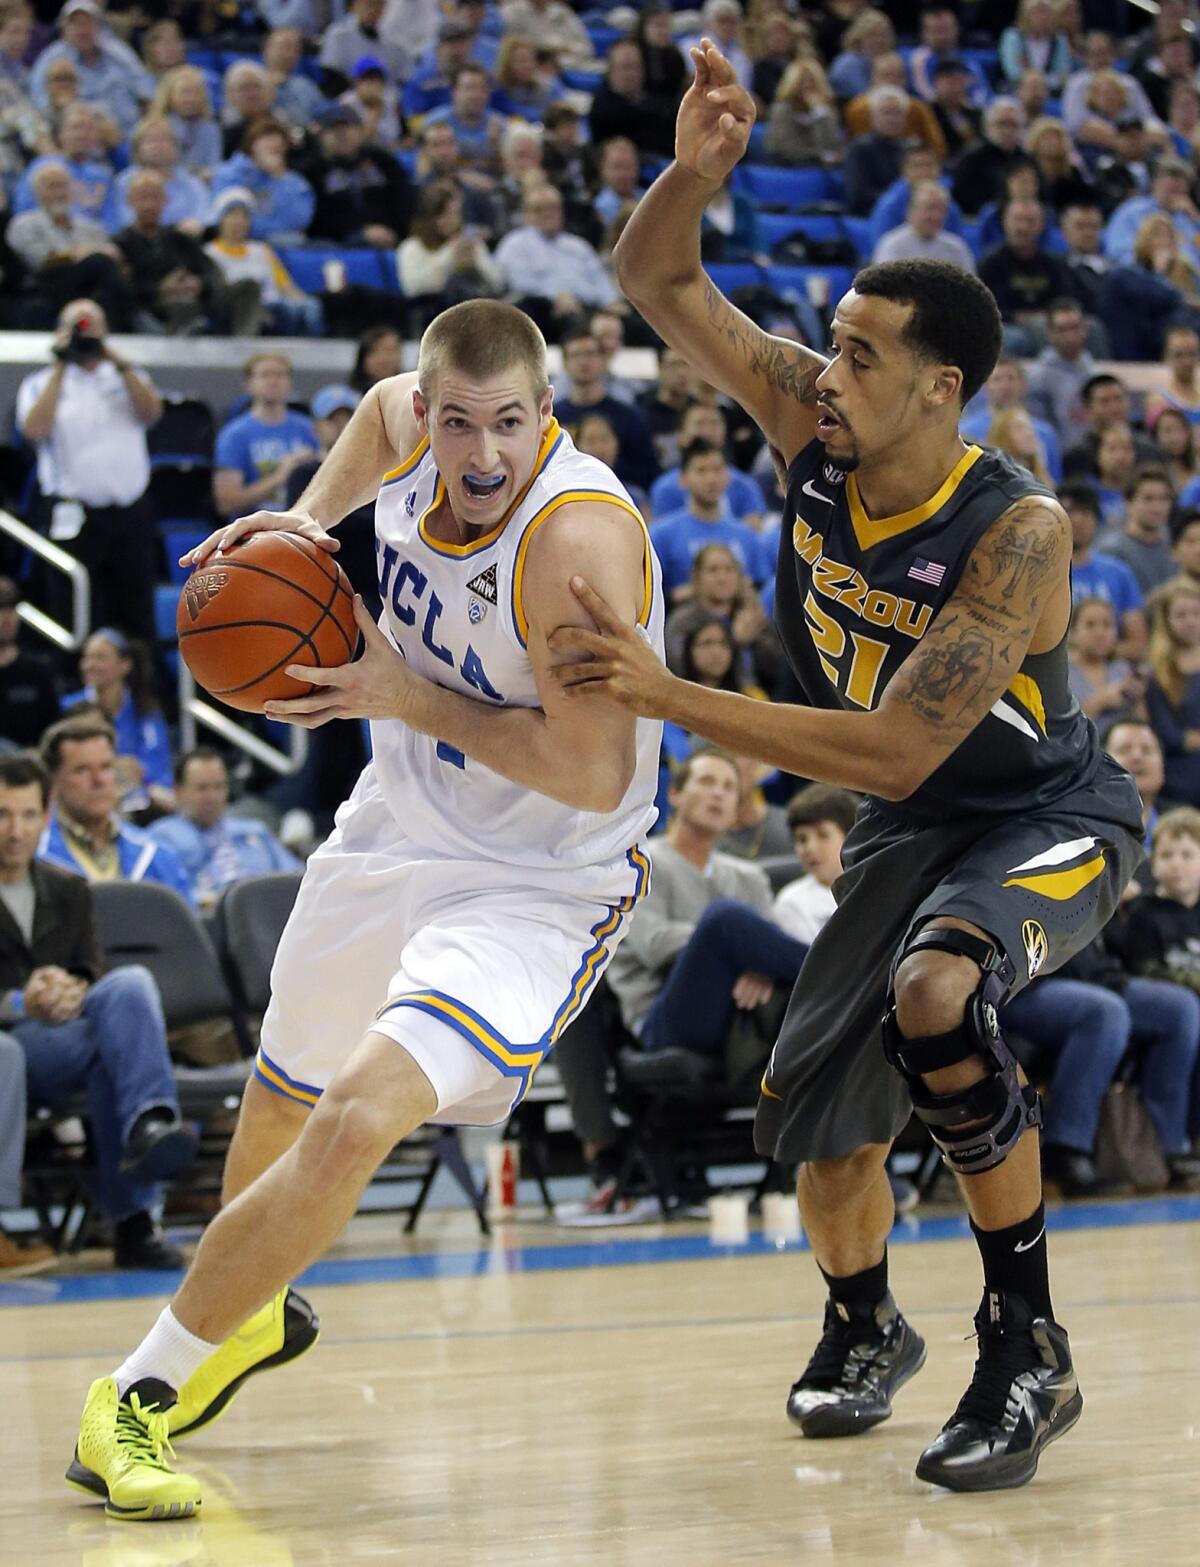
(168,1352)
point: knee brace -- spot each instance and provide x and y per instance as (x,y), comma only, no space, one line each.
(976,1128)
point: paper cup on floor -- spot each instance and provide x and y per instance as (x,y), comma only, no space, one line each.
(729,1220)
(780,1218)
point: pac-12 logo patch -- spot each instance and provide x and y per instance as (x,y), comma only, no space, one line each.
(1037,948)
(476,611)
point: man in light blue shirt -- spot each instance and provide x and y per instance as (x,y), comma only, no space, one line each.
(477,128)
(256,452)
(84,834)
(79,153)
(110,75)
(1006,388)
(742,498)
(213,847)
(542,262)
(1169,196)
(680,536)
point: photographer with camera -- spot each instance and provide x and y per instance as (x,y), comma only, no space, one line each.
(87,416)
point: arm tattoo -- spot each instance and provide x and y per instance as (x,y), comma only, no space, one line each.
(786,367)
(977,642)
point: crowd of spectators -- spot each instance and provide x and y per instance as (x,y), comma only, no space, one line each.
(172,175)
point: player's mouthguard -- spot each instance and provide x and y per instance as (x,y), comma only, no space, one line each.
(481,488)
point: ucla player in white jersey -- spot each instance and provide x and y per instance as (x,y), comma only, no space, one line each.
(476,882)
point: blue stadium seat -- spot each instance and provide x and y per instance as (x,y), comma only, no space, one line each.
(582,81)
(178,535)
(166,599)
(787,188)
(306,265)
(794,280)
(775,227)
(603,38)
(859,230)
(734,274)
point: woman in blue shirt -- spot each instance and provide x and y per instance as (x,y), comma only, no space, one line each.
(117,680)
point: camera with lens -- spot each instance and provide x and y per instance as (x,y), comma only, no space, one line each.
(83,346)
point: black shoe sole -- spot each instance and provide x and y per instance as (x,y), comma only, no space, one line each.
(87,1480)
(301,1329)
(1000,1474)
(838,1420)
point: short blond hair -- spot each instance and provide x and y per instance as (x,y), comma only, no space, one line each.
(1182,822)
(482,338)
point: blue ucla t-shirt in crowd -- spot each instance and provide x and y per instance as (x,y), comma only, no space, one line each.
(254,448)
(1105,577)
(680,537)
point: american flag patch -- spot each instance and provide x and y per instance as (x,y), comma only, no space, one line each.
(930,571)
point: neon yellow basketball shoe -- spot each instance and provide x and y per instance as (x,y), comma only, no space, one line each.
(283,1330)
(119,1455)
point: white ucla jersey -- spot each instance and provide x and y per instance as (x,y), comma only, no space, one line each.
(455,611)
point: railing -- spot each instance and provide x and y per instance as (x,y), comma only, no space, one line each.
(194,710)
(71,640)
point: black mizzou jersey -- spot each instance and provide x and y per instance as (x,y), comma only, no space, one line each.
(854,595)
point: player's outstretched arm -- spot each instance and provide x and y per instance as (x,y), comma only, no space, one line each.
(658,266)
(381,431)
(1015,588)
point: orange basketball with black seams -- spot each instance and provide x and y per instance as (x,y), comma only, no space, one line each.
(271,600)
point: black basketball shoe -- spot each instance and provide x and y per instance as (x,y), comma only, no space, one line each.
(1023,1395)
(864,1356)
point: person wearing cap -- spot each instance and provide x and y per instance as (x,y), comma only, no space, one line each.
(960,123)
(372,97)
(298,99)
(357,34)
(247,263)
(110,74)
(28,693)
(1171,196)
(364,196)
(284,201)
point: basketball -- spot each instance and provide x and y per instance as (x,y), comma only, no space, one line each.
(271,600)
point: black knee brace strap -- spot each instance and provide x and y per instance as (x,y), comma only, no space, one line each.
(976,1128)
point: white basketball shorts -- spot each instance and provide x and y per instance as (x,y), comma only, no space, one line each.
(475,968)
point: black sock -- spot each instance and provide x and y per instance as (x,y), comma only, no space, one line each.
(1015,1261)
(859,1291)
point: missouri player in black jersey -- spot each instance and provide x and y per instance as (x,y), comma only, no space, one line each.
(923,596)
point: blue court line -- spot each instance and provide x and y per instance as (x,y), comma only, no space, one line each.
(498,1259)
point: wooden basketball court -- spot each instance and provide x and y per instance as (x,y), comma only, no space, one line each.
(617,1400)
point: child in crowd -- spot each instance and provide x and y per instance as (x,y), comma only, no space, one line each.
(820,817)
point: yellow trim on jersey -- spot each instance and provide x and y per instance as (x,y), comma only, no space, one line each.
(1061,885)
(567,498)
(1026,691)
(465,1023)
(870,531)
(288,1090)
(460,551)
(412,461)
(768,1093)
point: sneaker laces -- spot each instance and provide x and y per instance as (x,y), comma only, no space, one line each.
(1002,1357)
(143,1433)
(844,1352)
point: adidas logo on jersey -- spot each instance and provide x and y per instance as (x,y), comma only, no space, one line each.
(201,591)
(484,584)
(410,503)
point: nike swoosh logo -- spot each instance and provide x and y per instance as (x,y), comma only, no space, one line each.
(807,488)
(1029,1245)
